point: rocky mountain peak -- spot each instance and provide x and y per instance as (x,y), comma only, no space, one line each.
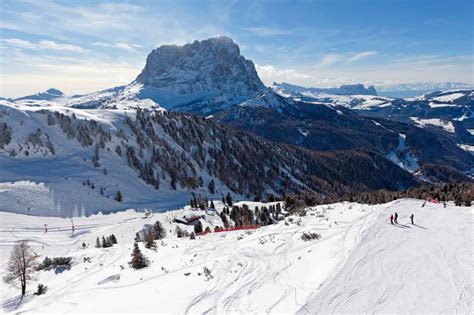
(213,66)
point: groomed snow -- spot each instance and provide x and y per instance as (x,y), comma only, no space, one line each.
(360,264)
(425,268)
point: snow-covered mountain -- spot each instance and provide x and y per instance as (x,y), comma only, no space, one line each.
(77,160)
(169,155)
(354,89)
(201,77)
(210,70)
(403,90)
(47,95)
(454,107)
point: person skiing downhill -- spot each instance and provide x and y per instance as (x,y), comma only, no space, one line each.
(396,218)
(391,218)
(411,218)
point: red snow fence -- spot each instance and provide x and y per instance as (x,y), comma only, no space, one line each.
(235,228)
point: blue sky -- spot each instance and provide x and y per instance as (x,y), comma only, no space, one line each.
(84,46)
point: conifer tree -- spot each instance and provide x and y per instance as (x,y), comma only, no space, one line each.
(97,243)
(119,196)
(212,186)
(113,239)
(228,199)
(198,227)
(104,242)
(158,231)
(138,259)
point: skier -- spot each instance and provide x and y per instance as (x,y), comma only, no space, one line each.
(424,204)
(396,218)
(444,204)
(411,218)
(391,218)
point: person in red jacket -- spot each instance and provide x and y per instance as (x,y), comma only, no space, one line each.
(391,218)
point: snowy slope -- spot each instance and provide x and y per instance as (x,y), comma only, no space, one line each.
(255,271)
(422,268)
(43,171)
(361,264)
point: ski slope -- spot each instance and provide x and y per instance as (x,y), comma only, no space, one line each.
(422,268)
(360,264)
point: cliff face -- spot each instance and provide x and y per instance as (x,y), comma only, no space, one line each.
(212,67)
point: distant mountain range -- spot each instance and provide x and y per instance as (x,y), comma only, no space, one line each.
(402,90)
(355,89)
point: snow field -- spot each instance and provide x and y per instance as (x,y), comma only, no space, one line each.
(265,270)
(361,264)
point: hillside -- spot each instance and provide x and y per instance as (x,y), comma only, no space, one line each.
(211,78)
(70,161)
(361,263)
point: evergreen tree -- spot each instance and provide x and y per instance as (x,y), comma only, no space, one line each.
(119,196)
(198,227)
(97,243)
(179,232)
(113,239)
(84,245)
(212,186)
(192,236)
(138,259)
(212,205)
(158,230)
(228,199)
(105,244)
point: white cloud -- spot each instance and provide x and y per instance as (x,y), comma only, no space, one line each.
(49,44)
(334,58)
(72,76)
(361,55)
(330,59)
(269,74)
(268,31)
(41,45)
(123,46)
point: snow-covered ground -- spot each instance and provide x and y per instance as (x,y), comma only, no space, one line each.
(402,155)
(360,264)
(445,124)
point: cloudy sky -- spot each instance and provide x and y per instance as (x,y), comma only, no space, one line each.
(84,46)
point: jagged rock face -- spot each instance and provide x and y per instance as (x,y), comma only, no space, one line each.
(357,89)
(210,67)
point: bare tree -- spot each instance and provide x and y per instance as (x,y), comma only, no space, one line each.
(20,265)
